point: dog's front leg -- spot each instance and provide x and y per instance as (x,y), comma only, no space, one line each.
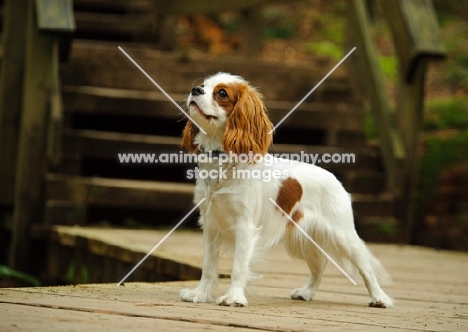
(203,292)
(243,252)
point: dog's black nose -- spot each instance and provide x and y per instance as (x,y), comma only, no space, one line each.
(198,90)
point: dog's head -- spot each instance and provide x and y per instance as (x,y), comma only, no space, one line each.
(228,107)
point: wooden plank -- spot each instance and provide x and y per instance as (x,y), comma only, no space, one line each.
(163,195)
(66,319)
(119,193)
(106,66)
(164,7)
(134,103)
(138,26)
(117,6)
(430,291)
(407,264)
(107,145)
(11,84)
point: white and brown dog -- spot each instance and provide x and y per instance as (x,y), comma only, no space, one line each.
(237,213)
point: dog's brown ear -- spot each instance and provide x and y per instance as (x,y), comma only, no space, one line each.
(188,136)
(248,125)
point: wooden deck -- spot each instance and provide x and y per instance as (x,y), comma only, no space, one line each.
(430,289)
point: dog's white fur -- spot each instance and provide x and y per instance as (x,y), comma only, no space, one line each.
(238,214)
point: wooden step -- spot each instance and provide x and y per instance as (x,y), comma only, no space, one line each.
(118,192)
(107,145)
(110,26)
(113,6)
(153,104)
(104,65)
(80,192)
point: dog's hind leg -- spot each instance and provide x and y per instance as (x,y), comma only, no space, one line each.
(316,264)
(356,251)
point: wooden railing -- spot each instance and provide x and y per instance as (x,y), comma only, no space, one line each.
(33,128)
(417,41)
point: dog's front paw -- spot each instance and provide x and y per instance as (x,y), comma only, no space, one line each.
(304,293)
(195,295)
(382,301)
(233,298)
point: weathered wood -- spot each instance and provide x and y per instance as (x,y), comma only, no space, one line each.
(416,33)
(120,193)
(391,146)
(430,291)
(54,125)
(11,84)
(107,145)
(410,106)
(28,195)
(160,195)
(118,6)
(135,103)
(55,16)
(116,26)
(105,66)
(417,40)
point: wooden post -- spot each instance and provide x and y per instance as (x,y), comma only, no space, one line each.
(30,165)
(252,32)
(417,39)
(368,73)
(409,116)
(11,83)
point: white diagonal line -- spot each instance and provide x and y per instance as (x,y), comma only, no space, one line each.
(159,243)
(160,88)
(310,92)
(315,243)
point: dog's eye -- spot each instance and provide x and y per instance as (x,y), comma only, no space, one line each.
(222,93)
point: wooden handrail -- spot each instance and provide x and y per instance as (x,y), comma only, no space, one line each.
(365,71)
(417,40)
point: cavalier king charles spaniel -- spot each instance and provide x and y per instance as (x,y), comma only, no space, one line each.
(239,212)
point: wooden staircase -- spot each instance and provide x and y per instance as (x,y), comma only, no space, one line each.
(111,107)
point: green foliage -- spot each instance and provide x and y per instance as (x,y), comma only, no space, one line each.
(369,126)
(456,65)
(326,49)
(457,70)
(72,274)
(231,22)
(388,66)
(446,113)
(331,27)
(280,30)
(388,228)
(439,154)
(7,272)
